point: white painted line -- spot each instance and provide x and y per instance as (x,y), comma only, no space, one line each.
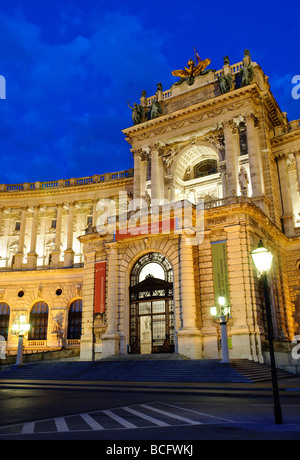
(146,417)
(92,422)
(118,419)
(28,428)
(61,424)
(177,417)
(196,412)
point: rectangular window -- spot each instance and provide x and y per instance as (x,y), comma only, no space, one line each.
(18,226)
(53,223)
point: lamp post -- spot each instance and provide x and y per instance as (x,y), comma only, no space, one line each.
(20,328)
(262,259)
(221,313)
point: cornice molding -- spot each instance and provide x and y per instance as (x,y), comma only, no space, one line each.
(185,114)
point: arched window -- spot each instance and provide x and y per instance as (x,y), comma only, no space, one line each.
(39,321)
(205,168)
(4,319)
(75,319)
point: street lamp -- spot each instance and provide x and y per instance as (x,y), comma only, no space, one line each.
(262,259)
(221,312)
(20,328)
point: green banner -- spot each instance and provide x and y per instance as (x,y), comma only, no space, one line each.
(220,271)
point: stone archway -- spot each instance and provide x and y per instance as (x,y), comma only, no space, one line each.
(151,305)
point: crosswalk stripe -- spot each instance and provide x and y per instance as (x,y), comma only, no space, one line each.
(61,424)
(169,414)
(28,428)
(146,417)
(92,422)
(119,419)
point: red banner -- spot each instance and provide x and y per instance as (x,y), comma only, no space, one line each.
(99,300)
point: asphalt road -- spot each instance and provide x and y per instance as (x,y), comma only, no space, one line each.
(159,419)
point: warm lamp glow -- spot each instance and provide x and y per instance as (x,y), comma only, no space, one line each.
(222,301)
(213,311)
(262,258)
(15,327)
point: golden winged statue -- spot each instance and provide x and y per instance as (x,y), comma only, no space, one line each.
(192,71)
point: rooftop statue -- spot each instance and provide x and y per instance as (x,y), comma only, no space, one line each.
(138,113)
(193,70)
(247,72)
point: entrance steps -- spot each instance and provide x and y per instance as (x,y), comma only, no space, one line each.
(145,369)
(144,357)
(257,372)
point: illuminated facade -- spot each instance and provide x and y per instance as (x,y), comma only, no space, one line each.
(128,262)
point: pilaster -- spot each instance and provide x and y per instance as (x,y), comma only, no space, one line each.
(189,343)
(111,338)
(87,336)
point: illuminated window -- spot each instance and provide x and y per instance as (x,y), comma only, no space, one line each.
(39,321)
(75,319)
(4,319)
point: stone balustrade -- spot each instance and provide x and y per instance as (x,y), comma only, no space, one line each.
(62,183)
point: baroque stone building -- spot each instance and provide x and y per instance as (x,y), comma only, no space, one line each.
(132,261)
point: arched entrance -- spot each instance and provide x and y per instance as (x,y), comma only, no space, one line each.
(152,305)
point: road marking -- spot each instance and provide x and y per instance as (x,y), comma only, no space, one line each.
(92,422)
(169,414)
(197,412)
(146,417)
(61,424)
(28,428)
(119,419)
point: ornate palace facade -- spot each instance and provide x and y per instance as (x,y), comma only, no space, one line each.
(130,262)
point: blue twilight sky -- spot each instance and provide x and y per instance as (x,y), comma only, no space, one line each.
(71,66)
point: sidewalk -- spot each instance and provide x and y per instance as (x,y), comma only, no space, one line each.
(287,387)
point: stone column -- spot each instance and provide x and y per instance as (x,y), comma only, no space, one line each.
(69,253)
(287,208)
(297,158)
(155,182)
(189,335)
(111,339)
(231,136)
(56,253)
(254,156)
(19,256)
(32,255)
(1,220)
(94,221)
(137,179)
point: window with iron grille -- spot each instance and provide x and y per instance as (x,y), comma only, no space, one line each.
(38,321)
(74,320)
(4,319)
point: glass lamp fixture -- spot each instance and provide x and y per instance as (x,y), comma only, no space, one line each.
(262,258)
